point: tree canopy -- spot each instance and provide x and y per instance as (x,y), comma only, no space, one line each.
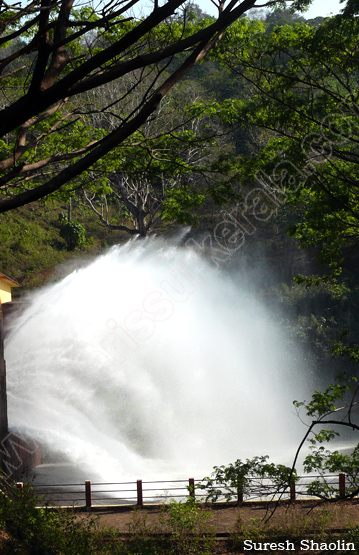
(304,83)
(53,52)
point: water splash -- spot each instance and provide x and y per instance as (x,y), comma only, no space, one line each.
(147,363)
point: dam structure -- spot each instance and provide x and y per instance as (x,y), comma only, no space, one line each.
(17,453)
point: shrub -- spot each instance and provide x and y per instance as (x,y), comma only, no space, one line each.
(37,531)
(190,530)
(254,476)
(183,529)
(73,234)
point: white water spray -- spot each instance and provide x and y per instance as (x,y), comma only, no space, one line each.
(149,363)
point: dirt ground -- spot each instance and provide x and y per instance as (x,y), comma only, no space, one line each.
(300,518)
(224,519)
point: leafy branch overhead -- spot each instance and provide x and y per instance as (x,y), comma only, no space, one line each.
(163,174)
(303,84)
(53,52)
(330,412)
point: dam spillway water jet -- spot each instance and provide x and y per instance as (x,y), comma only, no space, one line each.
(149,362)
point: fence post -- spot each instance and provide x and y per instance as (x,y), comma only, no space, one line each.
(341,485)
(191,488)
(139,494)
(88,495)
(292,489)
(20,486)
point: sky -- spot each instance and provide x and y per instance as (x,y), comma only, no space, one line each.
(318,7)
(323,8)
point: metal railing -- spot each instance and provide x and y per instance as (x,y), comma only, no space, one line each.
(140,493)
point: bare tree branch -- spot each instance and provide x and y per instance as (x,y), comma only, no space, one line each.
(139,53)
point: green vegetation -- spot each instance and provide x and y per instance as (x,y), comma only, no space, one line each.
(33,531)
(31,246)
(79,82)
(182,529)
(72,233)
(330,412)
(288,527)
(305,85)
(255,476)
(266,128)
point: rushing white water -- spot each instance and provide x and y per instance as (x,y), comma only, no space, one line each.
(149,363)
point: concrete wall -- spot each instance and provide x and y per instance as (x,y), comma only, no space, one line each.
(19,454)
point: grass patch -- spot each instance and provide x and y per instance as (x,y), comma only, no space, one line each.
(31,245)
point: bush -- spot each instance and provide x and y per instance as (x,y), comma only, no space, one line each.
(73,234)
(254,476)
(34,531)
(190,531)
(182,530)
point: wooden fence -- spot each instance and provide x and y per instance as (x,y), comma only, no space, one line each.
(140,493)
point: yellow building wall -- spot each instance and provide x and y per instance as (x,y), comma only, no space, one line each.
(5,292)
